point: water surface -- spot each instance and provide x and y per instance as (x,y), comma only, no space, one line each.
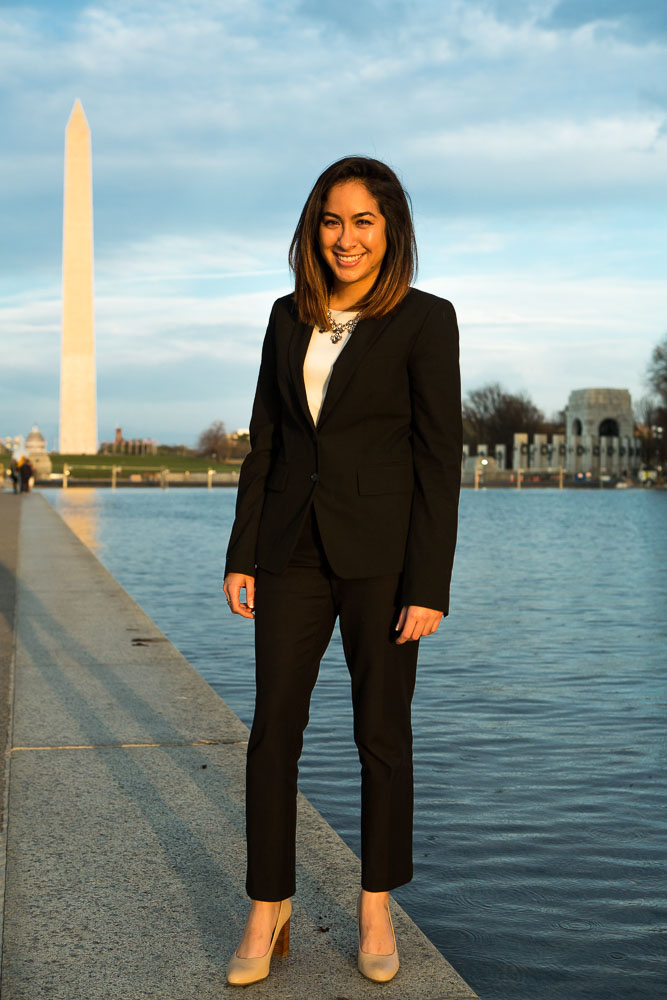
(539,721)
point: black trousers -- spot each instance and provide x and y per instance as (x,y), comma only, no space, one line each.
(295,613)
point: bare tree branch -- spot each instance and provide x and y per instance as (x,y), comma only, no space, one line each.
(213,441)
(492,416)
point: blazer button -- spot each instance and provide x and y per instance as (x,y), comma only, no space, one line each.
(314,477)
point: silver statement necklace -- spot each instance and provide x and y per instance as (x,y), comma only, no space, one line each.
(338,330)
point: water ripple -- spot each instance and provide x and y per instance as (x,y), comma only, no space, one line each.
(539,722)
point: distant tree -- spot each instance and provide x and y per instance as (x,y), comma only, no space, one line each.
(555,424)
(646,411)
(492,416)
(238,445)
(651,411)
(213,441)
(650,426)
(657,371)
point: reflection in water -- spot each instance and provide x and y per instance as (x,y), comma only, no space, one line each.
(79,510)
(538,720)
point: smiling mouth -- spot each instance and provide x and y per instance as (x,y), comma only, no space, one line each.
(348,260)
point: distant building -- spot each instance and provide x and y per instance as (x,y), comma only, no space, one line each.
(35,447)
(238,444)
(599,440)
(14,446)
(133,446)
(600,435)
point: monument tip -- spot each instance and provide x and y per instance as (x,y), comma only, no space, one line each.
(77,113)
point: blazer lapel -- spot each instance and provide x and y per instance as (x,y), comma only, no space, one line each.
(361,341)
(298,346)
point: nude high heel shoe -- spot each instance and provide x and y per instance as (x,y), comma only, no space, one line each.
(243,971)
(378,968)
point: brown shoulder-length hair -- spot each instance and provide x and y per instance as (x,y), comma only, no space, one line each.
(312,275)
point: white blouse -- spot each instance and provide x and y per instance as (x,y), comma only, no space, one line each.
(320,358)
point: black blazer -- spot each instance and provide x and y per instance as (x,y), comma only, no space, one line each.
(383,465)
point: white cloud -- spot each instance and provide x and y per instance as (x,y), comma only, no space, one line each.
(514,141)
(210,121)
(543,335)
(167,257)
(547,335)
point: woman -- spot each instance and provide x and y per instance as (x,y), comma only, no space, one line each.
(347,507)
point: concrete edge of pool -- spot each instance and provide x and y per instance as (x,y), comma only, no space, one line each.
(125,855)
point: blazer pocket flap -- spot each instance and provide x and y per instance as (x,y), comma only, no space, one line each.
(277,477)
(390,477)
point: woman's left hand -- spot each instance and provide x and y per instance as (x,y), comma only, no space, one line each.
(414,622)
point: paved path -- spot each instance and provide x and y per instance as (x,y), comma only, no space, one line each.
(10,513)
(125,847)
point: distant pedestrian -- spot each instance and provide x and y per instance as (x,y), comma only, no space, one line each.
(26,474)
(347,508)
(14,474)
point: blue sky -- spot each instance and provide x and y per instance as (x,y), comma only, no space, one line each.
(532,137)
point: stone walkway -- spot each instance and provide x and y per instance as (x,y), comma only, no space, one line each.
(125,856)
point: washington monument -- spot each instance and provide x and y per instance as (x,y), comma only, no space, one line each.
(78,396)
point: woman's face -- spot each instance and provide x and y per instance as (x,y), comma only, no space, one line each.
(352,236)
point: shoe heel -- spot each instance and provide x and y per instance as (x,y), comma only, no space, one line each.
(281,946)
(378,968)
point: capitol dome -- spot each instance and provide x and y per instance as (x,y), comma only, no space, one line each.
(35,446)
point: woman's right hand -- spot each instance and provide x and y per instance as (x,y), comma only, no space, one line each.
(233,585)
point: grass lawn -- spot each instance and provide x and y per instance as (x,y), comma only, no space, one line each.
(99,466)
